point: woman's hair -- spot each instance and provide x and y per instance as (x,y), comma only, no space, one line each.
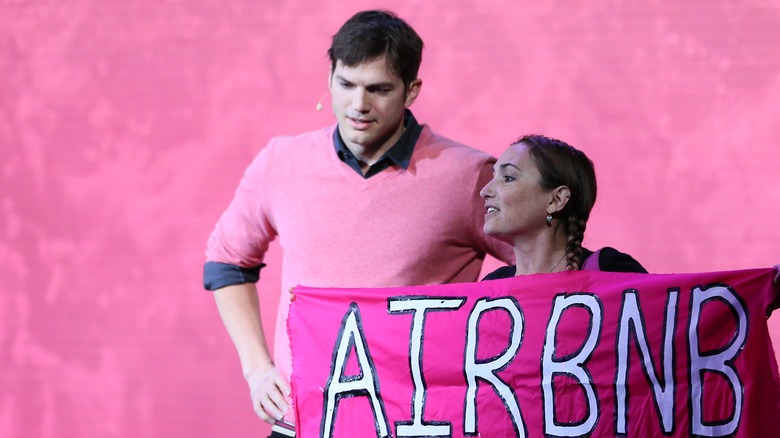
(563,165)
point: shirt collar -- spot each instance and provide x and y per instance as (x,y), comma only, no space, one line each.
(400,154)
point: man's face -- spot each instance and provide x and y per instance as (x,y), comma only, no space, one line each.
(369,104)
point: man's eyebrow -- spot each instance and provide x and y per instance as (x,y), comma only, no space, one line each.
(341,78)
(376,85)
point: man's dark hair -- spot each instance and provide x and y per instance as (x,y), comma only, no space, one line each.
(369,35)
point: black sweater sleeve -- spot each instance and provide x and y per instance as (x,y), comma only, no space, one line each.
(612,260)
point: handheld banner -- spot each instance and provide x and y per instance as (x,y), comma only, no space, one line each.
(560,355)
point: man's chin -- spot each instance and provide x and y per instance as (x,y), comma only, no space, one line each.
(351,135)
(360,140)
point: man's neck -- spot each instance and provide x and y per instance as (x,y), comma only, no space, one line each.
(368,156)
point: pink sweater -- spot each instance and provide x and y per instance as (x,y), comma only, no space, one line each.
(422,225)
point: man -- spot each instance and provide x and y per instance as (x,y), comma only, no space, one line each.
(377,200)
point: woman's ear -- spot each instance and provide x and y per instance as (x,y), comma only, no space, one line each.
(558,199)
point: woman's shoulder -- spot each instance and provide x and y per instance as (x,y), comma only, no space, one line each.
(502,272)
(612,260)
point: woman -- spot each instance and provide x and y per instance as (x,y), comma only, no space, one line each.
(539,200)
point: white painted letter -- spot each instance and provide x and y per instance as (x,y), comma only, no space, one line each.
(632,321)
(486,370)
(364,384)
(572,365)
(419,306)
(720,361)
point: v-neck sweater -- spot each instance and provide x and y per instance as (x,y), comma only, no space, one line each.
(401,227)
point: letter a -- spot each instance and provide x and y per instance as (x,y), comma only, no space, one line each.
(364,384)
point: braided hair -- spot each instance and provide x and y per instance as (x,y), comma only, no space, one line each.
(563,165)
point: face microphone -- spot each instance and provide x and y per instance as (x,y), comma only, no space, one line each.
(319,104)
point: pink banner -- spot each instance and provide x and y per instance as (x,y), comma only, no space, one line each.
(571,354)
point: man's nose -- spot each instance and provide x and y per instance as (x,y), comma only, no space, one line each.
(361,100)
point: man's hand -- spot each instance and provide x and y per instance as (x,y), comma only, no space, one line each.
(268,390)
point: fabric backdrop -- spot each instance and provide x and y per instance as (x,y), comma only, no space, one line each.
(125,127)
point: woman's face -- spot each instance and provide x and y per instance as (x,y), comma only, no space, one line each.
(515,201)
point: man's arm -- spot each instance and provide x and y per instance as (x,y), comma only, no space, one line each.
(239,309)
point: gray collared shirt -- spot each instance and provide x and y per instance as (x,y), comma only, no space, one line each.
(400,154)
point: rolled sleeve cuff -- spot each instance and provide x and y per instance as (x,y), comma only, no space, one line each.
(218,275)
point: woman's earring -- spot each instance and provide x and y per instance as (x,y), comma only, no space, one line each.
(549,219)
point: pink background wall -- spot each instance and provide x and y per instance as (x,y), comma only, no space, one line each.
(125,126)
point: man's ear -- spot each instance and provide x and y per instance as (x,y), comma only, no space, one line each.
(412,92)
(558,199)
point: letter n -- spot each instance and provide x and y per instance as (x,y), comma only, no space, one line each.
(633,322)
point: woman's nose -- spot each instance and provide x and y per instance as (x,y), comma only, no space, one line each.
(486,191)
